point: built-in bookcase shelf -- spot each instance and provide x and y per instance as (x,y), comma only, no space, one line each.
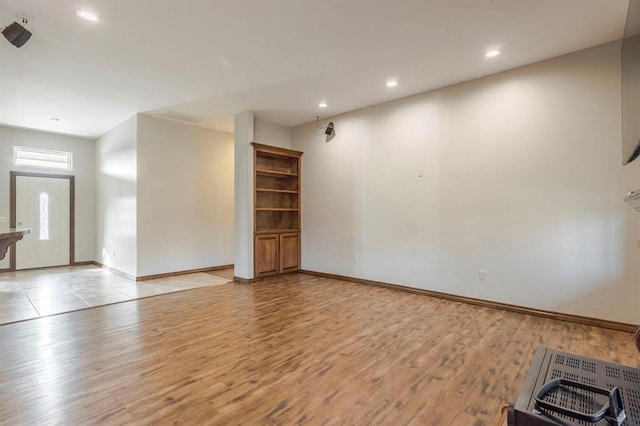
(276,210)
(275,174)
(276,190)
(276,231)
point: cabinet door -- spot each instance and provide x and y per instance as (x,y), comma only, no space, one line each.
(266,254)
(289,252)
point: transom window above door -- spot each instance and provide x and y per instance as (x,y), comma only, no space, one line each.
(43,158)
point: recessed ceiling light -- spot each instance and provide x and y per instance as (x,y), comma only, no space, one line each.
(392,83)
(492,53)
(88,16)
(322,105)
(54,119)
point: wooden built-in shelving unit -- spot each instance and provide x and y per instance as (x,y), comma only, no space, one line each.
(276,210)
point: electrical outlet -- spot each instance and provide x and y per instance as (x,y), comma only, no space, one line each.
(482,275)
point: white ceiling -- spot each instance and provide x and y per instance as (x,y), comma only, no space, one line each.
(212,58)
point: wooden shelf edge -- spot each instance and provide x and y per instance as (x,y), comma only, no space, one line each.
(284,152)
(279,191)
(275,173)
(277,231)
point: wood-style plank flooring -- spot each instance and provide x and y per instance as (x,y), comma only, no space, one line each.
(291,350)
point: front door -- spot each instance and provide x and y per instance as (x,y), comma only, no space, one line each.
(43,204)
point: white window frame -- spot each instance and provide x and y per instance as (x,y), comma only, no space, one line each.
(42,158)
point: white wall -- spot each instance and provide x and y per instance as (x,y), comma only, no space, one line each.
(116,171)
(522,178)
(83,170)
(630,102)
(185,197)
(272,134)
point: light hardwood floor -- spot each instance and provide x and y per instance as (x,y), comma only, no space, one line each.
(291,350)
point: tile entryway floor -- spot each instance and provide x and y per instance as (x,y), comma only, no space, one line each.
(37,293)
